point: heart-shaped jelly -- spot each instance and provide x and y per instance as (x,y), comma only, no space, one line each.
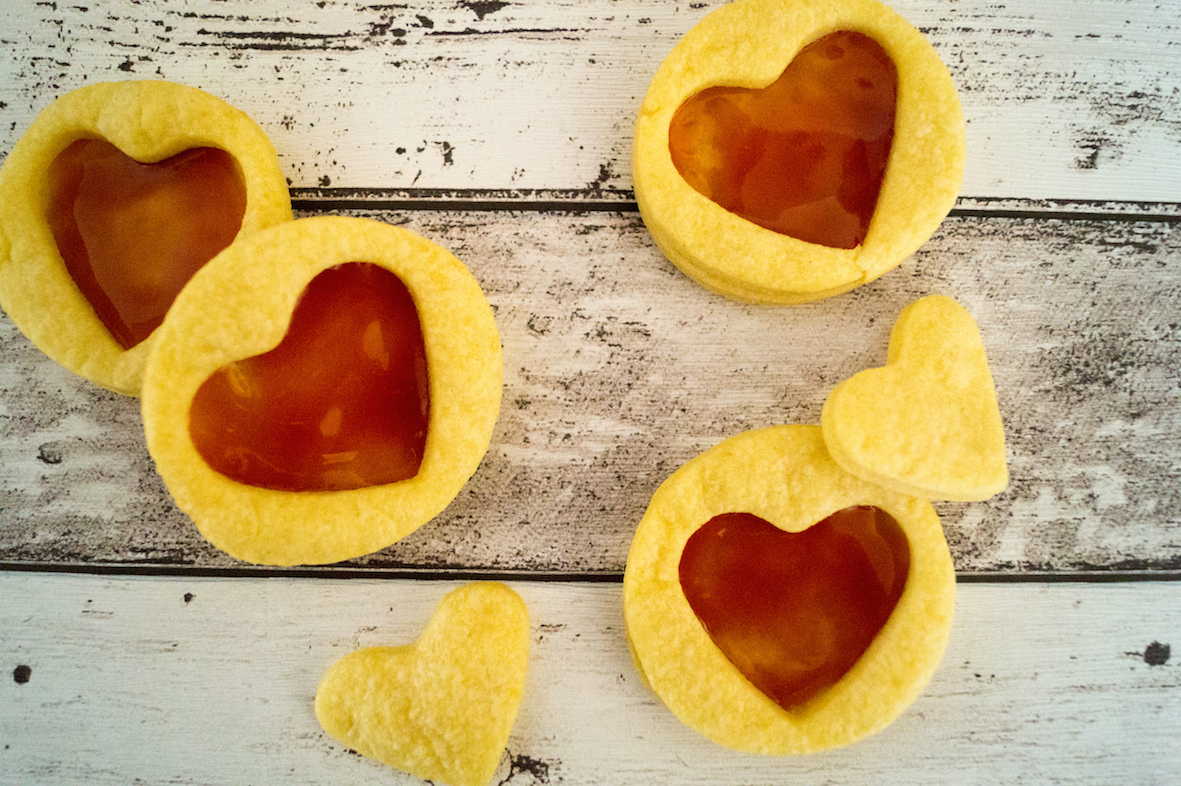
(794,611)
(804,156)
(132,234)
(341,403)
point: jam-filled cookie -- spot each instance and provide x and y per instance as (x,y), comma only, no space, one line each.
(790,150)
(110,201)
(780,599)
(321,389)
(780,605)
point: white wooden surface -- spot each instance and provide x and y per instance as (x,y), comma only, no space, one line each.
(502,130)
(189,680)
(1064,99)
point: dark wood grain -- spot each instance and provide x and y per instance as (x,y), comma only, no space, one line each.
(618,369)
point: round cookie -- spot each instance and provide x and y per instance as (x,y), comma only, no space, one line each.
(149,121)
(784,476)
(239,306)
(748,44)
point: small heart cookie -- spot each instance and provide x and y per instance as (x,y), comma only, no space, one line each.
(442,707)
(927,423)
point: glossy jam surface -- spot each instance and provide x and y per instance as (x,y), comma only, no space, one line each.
(341,403)
(804,156)
(133,234)
(794,611)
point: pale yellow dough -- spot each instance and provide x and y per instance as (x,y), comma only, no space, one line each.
(785,476)
(239,305)
(927,423)
(749,43)
(149,121)
(441,708)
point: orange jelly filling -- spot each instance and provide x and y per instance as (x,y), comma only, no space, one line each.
(341,403)
(804,156)
(133,234)
(794,611)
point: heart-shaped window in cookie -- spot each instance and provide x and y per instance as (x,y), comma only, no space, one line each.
(789,151)
(343,402)
(132,234)
(804,156)
(321,389)
(793,611)
(113,198)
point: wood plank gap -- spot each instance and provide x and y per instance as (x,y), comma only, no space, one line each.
(1067,577)
(465,205)
(314,572)
(1068,215)
(524,196)
(588,577)
(326,200)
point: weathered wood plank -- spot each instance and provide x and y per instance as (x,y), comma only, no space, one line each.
(1063,100)
(211,681)
(619,369)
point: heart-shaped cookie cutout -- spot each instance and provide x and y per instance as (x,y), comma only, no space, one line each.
(927,423)
(341,403)
(132,234)
(442,707)
(804,156)
(793,611)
